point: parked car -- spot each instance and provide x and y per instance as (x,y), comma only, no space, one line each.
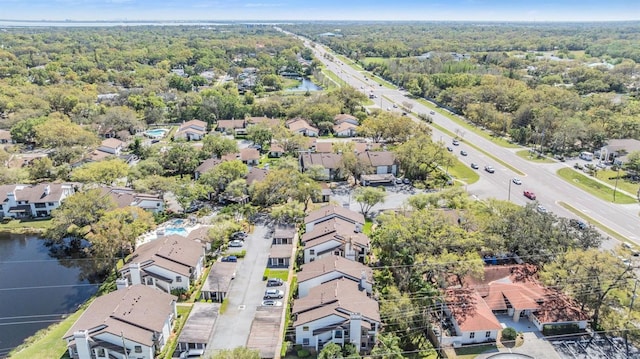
(230,259)
(489,169)
(271,303)
(398,180)
(406,181)
(239,235)
(530,195)
(192,353)
(274,282)
(432,112)
(474,166)
(273,294)
(236,243)
(455,142)
(463,153)
(540,208)
(581,225)
(516,181)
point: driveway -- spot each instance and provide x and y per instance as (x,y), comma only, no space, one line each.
(232,328)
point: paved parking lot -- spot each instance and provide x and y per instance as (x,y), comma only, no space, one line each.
(246,294)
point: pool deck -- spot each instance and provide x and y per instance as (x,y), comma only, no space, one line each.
(153,235)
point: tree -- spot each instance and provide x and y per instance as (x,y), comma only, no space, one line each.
(367,197)
(41,168)
(181,159)
(219,177)
(221,231)
(282,185)
(58,132)
(77,213)
(260,134)
(388,126)
(236,189)
(237,353)
(330,351)
(103,172)
(420,157)
(288,213)
(387,347)
(633,162)
(187,191)
(25,131)
(154,183)
(119,118)
(217,145)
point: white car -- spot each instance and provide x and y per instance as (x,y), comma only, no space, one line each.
(541,209)
(236,243)
(273,294)
(516,181)
(271,303)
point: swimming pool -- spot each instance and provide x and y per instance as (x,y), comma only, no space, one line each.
(175,230)
(156,132)
(178,222)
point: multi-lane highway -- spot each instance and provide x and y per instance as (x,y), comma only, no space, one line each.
(539,177)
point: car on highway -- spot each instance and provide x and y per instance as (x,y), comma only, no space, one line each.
(530,195)
(463,153)
(273,294)
(236,243)
(474,166)
(271,303)
(540,208)
(517,181)
(455,142)
(432,112)
(578,224)
(449,149)
(229,259)
(395,106)
(274,282)
(489,169)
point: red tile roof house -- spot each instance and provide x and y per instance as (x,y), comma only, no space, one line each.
(232,127)
(302,126)
(167,263)
(23,201)
(333,267)
(138,318)
(335,237)
(337,311)
(193,130)
(326,213)
(509,290)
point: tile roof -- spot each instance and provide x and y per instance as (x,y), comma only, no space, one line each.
(271,122)
(335,263)
(138,311)
(333,211)
(300,124)
(333,226)
(196,123)
(175,253)
(344,117)
(364,146)
(35,193)
(344,126)
(341,297)
(284,232)
(280,251)
(5,135)
(470,311)
(220,277)
(276,147)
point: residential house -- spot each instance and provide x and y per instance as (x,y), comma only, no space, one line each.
(168,263)
(380,162)
(333,267)
(232,127)
(280,255)
(106,132)
(284,235)
(124,197)
(255,175)
(198,329)
(302,126)
(270,122)
(276,150)
(324,147)
(111,146)
(218,282)
(330,162)
(193,130)
(23,201)
(342,118)
(206,166)
(326,213)
(325,192)
(473,310)
(335,237)
(250,156)
(5,137)
(345,129)
(134,322)
(616,150)
(366,146)
(338,311)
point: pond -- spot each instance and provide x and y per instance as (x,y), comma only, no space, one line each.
(306,85)
(37,289)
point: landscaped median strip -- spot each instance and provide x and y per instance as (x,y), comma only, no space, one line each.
(595,223)
(594,187)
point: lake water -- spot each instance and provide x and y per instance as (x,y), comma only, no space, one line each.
(36,289)
(306,85)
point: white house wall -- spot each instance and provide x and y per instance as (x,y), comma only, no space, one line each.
(184,284)
(147,352)
(308,257)
(304,287)
(316,324)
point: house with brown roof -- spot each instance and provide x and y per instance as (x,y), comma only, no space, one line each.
(5,137)
(333,267)
(338,311)
(23,201)
(232,127)
(512,291)
(250,156)
(345,129)
(270,122)
(284,235)
(125,197)
(255,175)
(302,126)
(167,263)
(335,237)
(380,162)
(282,247)
(326,213)
(324,147)
(345,118)
(330,162)
(276,150)
(206,166)
(193,130)
(136,319)
(111,146)
(218,282)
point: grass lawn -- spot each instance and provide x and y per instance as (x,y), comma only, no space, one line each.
(277,273)
(527,155)
(379,80)
(368,227)
(349,62)
(595,223)
(337,80)
(172,343)
(497,140)
(464,173)
(290,83)
(594,187)
(380,60)
(25,225)
(472,351)
(609,176)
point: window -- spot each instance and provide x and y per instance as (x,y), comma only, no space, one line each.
(100,353)
(305,328)
(472,335)
(305,341)
(312,252)
(138,349)
(487,335)
(178,279)
(338,334)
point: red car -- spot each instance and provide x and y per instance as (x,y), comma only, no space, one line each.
(530,195)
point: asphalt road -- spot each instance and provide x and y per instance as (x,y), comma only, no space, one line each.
(246,293)
(540,178)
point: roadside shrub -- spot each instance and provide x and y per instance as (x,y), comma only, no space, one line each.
(560,329)
(303,353)
(509,334)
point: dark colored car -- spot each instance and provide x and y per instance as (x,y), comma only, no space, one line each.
(577,223)
(455,142)
(274,282)
(475,166)
(449,149)
(463,153)
(230,259)
(239,235)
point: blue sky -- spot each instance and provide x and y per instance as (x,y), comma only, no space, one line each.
(429,10)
